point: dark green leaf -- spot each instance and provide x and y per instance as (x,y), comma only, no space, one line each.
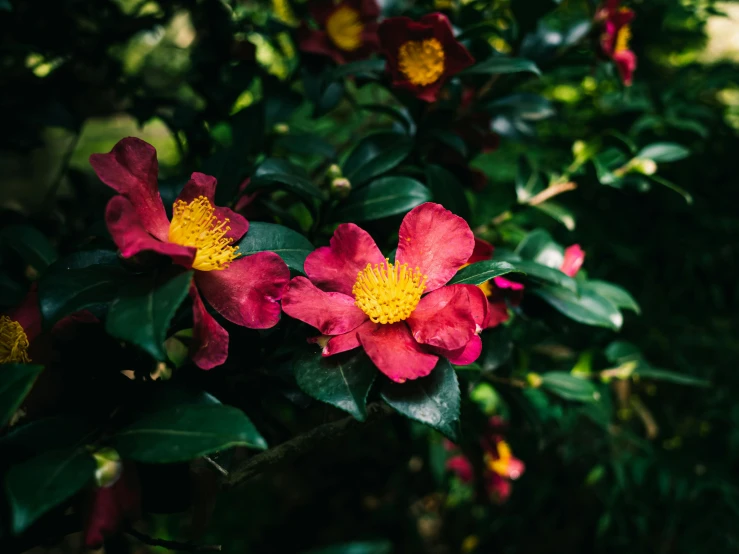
(496,65)
(361,67)
(619,352)
(670,377)
(16,381)
(497,348)
(375,155)
(558,212)
(433,400)
(663,152)
(290,245)
(41,483)
(539,247)
(30,244)
(588,307)
(400,115)
(447,190)
(620,297)
(480,272)
(569,387)
(672,186)
(543,274)
(294,179)
(384,197)
(308,144)
(531,107)
(144,309)
(343,380)
(49,433)
(528,181)
(186,433)
(370,547)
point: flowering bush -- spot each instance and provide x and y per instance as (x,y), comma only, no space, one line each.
(365,229)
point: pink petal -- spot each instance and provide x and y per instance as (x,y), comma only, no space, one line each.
(393,350)
(335,267)
(461,466)
(444,318)
(573,260)
(332,313)
(497,312)
(131,169)
(503,283)
(210,340)
(131,236)
(343,343)
(201,184)
(436,241)
(483,251)
(498,488)
(626,65)
(515,468)
(465,355)
(248,291)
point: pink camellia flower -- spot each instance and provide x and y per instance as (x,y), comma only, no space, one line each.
(347,30)
(615,37)
(245,290)
(401,313)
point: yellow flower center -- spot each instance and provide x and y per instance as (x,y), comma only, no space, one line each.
(195,225)
(422,61)
(13,342)
(622,39)
(500,464)
(387,293)
(345,29)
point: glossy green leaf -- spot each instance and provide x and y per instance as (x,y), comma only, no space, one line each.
(306,143)
(343,380)
(539,246)
(400,115)
(670,377)
(144,309)
(41,483)
(498,64)
(433,400)
(542,274)
(16,381)
(480,272)
(382,198)
(620,297)
(272,172)
(290,245)
(558,212)
(375,155)
(186,433)
(587,307)
(30,244)
(663,152)
(447,190)
(569,387)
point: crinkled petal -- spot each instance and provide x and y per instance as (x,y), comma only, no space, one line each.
(131,169)
(335,267)
(332,313)
(248,291)
(444,318)
(131,236)
(393,350)
(342,343)
(465,355)
(456,56)
(436,241)
(210,340)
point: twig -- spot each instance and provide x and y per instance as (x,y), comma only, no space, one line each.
(216,466)
(173,545)
(551,192)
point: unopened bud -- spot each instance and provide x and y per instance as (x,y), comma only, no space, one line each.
(281,129)
(334,171)
(534,380)
(109,466)
(341,187)
(644,166)
(578,148)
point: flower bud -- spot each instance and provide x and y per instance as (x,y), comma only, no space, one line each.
(109,466)
(334,171)
(341,187)
(534,380)
(281,129)
(644,166)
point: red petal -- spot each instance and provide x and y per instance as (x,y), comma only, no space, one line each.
(347,341)
(436,241)
(248,291)
(332,313)
(444,318)
(461,466)
(131,236)
(465,355)
(335,267)
(497,312)
(483,251)
(573,260)
(210,340)
(393,350)
(456,56)
(626,64)
(131,169)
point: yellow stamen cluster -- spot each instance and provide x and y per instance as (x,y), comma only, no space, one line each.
(622,39)
(345,29)
(500,464)
(422,61)
(195,225)
(388,293)
(13,342)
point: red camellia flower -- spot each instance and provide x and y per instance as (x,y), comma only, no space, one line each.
(400,313)
(422,55)
(614,38)
(245,291)
(347,30)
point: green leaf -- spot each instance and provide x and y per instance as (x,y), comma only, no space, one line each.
(558,212)
(433,400)
(384,197)
(588,307)
(447,190)
(528,180)
(49,433)
(16,381)
(369,547)
(361,67)
(306,143)
(620,297)
(293,178)
(30,244)
(539,247)
(375,155)
(75,283)
(400,115)
(343,380)
(41,483)
(672,186)
(531,107)
(497,348)
(481,272)
(144,309)
(670,377)
(186,433)
(498,64)
(663,152)
(290,245)
(569,387)
(540,273)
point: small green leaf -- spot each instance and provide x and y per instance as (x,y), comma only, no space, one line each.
(447,190)
(672,186)
(343,380)
(384,197)
(30,244)
(647,372)
(498,64)
(144,309)
(481,272)
(294,179)
(620,297)
(569,387)
(16,381)
(290,245)
(41,483)
(433,400)
(186,433)
(663,152)
(588,307)
(375,155)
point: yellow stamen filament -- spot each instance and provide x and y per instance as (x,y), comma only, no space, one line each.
(388,293)
(622,39)
(422,61)
(195,225)
(345,29)
(13,342)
